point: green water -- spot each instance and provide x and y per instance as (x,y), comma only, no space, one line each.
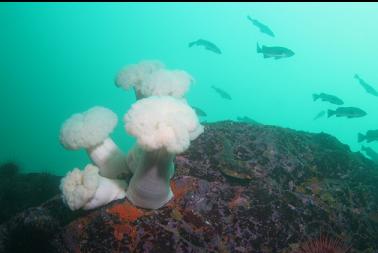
(57,59)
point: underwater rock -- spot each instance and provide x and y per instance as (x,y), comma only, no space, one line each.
(9,169)
(330,187)
(33,229)
(240,188)
(255,151)
(21,191)
(28,231)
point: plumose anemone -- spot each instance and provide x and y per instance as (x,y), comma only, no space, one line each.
(161,121)
(163,126)
(132,76)
(151,78)
(90,130)
(88,190)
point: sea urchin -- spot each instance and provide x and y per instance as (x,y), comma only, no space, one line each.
(323,244)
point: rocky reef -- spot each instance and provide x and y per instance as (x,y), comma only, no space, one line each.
(241,187)
(19,191)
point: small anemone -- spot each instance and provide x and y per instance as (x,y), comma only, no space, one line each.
(9,169)
(324,244)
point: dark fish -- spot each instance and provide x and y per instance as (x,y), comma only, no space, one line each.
(319,115)
(199,112)
(368,88)
(371,135)
(263,28)
(349,112)
(246,119)
(221,92)
(328,98)
(276,52)
(207,44)
(371,153)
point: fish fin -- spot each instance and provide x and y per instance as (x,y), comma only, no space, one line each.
(315,96)
(258,48)
(217,51)
(331,112)
(267,56)
(277,57)
(365,149)
(361,137)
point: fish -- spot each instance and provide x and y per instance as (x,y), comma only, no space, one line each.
(371,135)
(368,88)
(207,44)
(320,114)
(276,52)
(328,98)
(199,112)
(221,92)
(370,153)
(246,119)
(349,112)
(262,27)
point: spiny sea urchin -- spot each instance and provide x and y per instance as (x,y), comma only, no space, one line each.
(323,244)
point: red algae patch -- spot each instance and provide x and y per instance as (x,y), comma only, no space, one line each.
(179,189)
(238,200)
(124,229)
(126,212)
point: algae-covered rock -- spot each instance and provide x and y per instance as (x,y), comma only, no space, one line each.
(242,188)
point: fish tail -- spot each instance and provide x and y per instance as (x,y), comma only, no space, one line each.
(249,18)
(192,43)
(356,76)
(361,137)
(258,48)
(315,96)
(331,112)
